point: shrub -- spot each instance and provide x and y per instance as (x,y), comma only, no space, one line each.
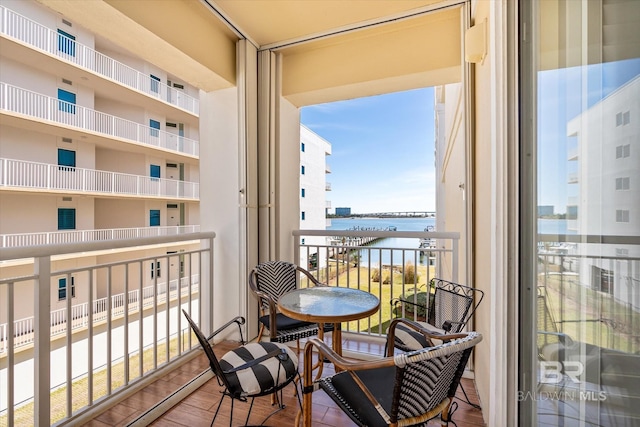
(419,310)
(410,275)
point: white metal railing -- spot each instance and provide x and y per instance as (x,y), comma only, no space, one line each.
(109,341)
(24,328)
(66,49)
(31,104)
(24,174)
(77,236)
(364,260)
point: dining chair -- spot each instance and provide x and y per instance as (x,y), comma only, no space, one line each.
(249,371)
(406,389)
(270,280)
(448,307)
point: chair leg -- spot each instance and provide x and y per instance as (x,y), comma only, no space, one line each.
(246,423)
(218,409)
(260,332)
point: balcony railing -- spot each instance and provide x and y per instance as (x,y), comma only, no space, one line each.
(41,107)
(77,236)
(125,331)
(388,264)
(44,176)
(24,332)
(592,289)
(66,49)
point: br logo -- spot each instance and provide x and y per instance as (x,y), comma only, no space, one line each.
(552,372)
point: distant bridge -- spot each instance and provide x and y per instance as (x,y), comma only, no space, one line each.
(405,214)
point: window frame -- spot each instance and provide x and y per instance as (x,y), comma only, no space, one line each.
(66,43)
(64,215)
(66,101)
(153,214)
(62,288)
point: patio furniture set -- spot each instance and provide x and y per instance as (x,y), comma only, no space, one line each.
(412,383)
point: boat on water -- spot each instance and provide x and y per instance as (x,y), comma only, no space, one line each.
(427,244)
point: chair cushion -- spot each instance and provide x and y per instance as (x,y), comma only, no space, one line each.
(284,322)
(346,393)
(408,339)
(263,378)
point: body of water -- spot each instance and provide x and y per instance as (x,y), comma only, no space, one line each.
(384,247)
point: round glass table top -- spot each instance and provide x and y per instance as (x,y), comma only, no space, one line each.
(328,304)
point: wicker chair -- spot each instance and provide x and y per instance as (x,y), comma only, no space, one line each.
(268,281)
(449,308)
(252,370)
(403,390)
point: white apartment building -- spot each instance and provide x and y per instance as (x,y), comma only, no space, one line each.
(313,186)
(95,144)
(608,181)
(98,144)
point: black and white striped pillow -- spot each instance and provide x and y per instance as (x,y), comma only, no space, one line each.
(263,377)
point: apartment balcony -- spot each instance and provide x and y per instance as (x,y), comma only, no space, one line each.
(115,328)
(21,107)
(123,291)
(103,235)
(327,186)
(146,380)
(34,43)
(20,175)
(572,178)
(328,204)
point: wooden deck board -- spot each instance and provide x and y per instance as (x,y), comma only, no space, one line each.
(198,408)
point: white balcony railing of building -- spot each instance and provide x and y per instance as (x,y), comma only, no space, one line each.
(41,107)
(361,260)
(66,49)
(23,329)
(595,296)
(18,240)
(44,176)
(125,331)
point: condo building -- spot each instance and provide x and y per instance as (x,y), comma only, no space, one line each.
(151,156)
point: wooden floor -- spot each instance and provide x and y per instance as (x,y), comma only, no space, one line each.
(198,409)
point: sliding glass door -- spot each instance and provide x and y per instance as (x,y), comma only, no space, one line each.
(580,83)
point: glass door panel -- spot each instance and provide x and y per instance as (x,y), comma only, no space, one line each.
(586,87)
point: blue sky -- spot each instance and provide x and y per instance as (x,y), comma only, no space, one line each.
(382,151)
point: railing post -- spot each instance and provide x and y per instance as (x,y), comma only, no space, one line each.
(454,259)
(42,342)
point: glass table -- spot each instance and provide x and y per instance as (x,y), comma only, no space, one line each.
(329,304)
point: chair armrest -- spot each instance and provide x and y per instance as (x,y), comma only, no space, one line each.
(339,362)
(396,302)
(310,276)
(238,319)
(563,338)
(391,334)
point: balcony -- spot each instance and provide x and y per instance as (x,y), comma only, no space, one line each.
(113,293)
(115,328)
(40,38)
(77,236)
(19,174)
(25,104)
